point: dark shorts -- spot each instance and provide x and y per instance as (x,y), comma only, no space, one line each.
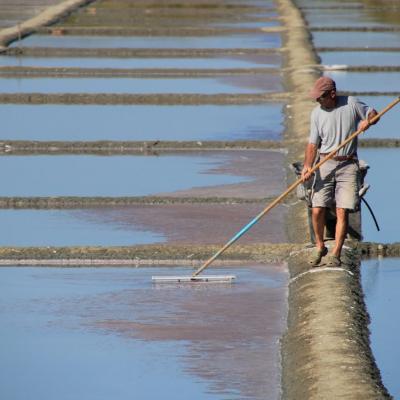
(337,182)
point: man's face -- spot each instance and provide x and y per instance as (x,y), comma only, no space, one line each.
(328,99)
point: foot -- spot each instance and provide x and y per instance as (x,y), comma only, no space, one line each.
(316,256)
(333,261)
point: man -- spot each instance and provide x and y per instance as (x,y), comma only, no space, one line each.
(337,180)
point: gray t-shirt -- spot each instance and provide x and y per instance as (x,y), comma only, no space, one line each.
(329,128)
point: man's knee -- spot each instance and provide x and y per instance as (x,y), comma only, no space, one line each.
(318,211)
(341,212)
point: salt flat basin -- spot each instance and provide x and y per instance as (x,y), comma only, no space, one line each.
(357,17)
(388,126)
(360,58)
(380,280)
(68,228)
(142,122)
(383,195)
(245,174)
(356,39)
(366,81)
(245,61)
(129,334)
(218,85)
(248,41)
(249,24)
(192,224)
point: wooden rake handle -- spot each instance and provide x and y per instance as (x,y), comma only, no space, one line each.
(289,189)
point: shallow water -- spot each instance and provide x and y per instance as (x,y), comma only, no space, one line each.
(383,195)
(191,340)
(366,81)
(201,224)
(69,228)
(248,24)
(142,122)
(356,39)
(273,60)
(380,280)
(76,175)
(346,18)
(254,41)
(223,85)
(360,58)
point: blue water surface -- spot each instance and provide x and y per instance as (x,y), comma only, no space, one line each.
(141,122)
(77,175)
(381,280)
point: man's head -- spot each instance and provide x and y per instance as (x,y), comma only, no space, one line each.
(324,92)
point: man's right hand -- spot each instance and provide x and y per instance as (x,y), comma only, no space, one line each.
(306,174)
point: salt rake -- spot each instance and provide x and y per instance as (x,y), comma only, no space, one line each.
(230,278)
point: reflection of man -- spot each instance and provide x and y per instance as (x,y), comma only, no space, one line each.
(337,180)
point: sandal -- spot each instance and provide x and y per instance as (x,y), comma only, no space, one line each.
(333,261)
(316,256)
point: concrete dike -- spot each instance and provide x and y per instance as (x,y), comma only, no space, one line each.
(326,351)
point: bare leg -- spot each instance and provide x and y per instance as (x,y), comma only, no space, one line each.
(318,220)
(341,230)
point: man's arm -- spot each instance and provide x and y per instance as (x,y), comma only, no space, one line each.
(309,157)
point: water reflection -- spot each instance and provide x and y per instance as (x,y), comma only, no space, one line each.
(357,17)
(381,280)
(70,228)
(253,41)
(210,341)
(273,60)
(356,39)
(243,174)
(142,122)
(360,58)
(383,195)
(366,81)
(238,84)
(388,126)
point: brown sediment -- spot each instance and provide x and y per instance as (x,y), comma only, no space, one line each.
(107,98)
(70,202)
(353,49)
(141,53)
(379,143)
(154,31)
(326,352)
(355,29)
(48,16)
(365,68)
(109,147)
(369,249)
(143,254)
(36,72)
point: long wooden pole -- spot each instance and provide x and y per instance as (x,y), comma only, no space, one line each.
(289,189)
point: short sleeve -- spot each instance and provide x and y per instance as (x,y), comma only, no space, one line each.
(314,132)
(362,110)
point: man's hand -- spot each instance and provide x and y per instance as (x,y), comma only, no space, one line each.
(305,174)
(366,123)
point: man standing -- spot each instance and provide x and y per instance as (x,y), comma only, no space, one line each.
(337,180)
